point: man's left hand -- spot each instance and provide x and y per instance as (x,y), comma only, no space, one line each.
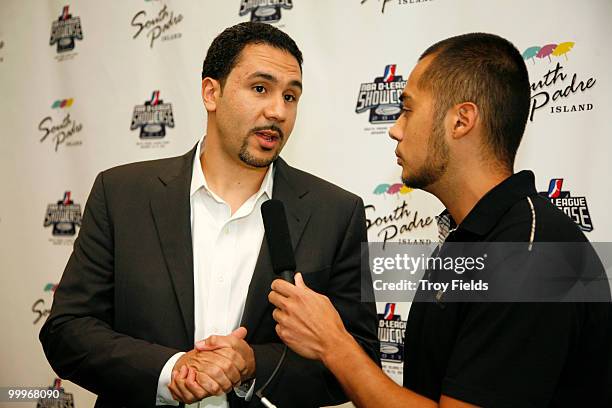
(307,321)
(233,343)
(187,383)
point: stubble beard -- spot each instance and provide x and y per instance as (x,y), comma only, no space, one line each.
(436,161)
(249,159)
(253,161)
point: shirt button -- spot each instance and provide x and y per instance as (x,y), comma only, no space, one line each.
(220,278)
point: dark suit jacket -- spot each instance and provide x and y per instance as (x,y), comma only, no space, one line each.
(125,303)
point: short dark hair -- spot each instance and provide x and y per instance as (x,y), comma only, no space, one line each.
(225,49)
(489,71)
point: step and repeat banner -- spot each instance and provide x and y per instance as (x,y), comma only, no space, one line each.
(89,85)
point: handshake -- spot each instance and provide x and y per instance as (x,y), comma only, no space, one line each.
(214,367)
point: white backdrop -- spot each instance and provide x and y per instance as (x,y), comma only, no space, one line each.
(84,98)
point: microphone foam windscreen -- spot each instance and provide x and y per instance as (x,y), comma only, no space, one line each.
(277,236)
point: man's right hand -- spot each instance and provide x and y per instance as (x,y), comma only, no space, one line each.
(200,374)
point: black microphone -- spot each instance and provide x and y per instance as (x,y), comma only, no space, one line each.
(278,238)
(283,264)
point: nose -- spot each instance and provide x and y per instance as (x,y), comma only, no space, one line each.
(276,109)
(395,132)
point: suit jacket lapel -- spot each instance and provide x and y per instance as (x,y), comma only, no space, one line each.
(288,189)
(171,208)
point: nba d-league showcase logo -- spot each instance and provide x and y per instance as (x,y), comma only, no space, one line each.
(575,207)
(264,11)
(556,89)
(382,98)
(152,118)
(64,215)
(64,31)
(391,332)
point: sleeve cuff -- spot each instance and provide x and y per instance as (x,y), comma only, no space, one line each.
(246,389)
(164,397)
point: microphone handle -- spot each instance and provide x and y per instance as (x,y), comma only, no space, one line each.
(288,276)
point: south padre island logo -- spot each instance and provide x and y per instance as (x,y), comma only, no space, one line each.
(64,215)
(161,25)
(152,118)
(573,206)
(556,87)
(40,308)
(65,30)
(61,132)
(394,222)
(392,189)
(59,397)
(264,11)
(391,332)
(382,97)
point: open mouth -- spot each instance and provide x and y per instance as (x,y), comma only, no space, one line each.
(268,139)
(268,135)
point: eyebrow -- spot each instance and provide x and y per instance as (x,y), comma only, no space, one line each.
(404,97)
(273,79)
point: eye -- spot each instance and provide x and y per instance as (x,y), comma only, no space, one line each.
(259,89)
(290,98)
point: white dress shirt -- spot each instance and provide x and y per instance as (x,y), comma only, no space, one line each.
(225,251)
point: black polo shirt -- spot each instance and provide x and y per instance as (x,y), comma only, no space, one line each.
(512,354)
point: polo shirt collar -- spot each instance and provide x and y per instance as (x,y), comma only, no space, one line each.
(487,213)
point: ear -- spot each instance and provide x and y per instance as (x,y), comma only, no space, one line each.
(464,118)
(211,91)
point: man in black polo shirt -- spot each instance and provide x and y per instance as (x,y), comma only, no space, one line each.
(465,107)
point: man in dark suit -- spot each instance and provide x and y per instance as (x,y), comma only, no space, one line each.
(172,251)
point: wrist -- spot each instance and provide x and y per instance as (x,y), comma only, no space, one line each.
(339,347)
(251,367)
